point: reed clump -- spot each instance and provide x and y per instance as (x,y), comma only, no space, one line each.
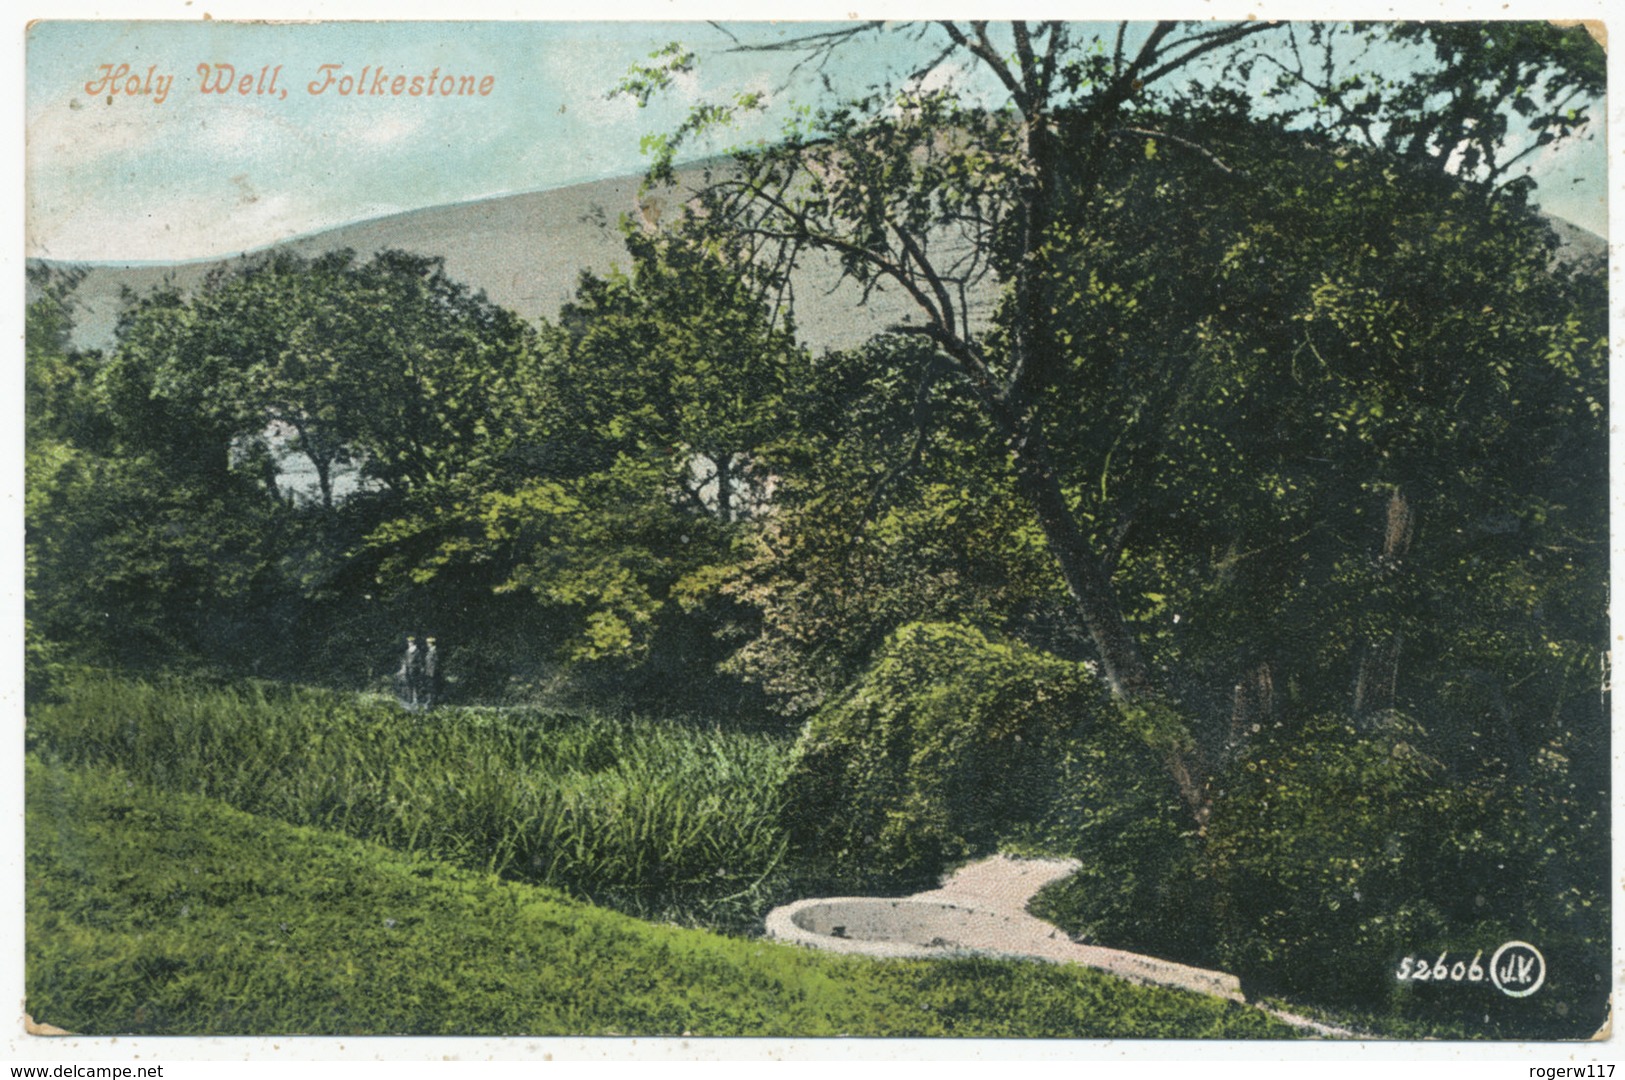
(671,820)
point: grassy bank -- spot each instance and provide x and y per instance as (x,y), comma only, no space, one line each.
(157,913)
(655,818)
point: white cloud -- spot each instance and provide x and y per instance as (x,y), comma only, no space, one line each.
(227,130)
(232,216)
(948,75)
(583,83)
(392,128)
(76,131)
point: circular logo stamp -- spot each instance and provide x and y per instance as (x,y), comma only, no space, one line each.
(1517,969)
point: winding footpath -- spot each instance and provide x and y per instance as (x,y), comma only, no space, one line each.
(982,908)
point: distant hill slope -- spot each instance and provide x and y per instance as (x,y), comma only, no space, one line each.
(527,251)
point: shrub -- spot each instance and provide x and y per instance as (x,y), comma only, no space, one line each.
(1313,848)
(947,743)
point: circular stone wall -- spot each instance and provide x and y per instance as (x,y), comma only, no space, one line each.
(881,926)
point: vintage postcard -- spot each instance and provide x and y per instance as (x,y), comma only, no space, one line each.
(1053,530)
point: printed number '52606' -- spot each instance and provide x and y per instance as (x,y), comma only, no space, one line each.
(1441,970)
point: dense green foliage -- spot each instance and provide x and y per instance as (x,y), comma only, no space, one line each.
(158,913)
(1143,884)
(661,399)
(1312,427)
(888,510)
(1340,853)
(167,515)
(935,753)
(1344,851)
(1429,479)
(656,818)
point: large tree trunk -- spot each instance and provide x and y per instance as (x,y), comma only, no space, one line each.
(1121,662)
(1036,357)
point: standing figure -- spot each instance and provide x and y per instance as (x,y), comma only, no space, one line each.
(406,680)
(431,674)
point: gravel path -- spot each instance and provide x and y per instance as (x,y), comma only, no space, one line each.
(982,908)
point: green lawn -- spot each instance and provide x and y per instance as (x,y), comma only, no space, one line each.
(162,913)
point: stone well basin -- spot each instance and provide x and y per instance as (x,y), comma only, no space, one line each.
(892,926)
(982,909)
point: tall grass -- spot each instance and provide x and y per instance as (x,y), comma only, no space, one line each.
(663,820)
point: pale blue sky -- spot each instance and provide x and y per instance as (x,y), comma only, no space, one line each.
(202,175)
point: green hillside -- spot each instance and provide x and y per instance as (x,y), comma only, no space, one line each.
(156,913)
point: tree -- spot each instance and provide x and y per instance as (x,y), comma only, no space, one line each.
(935,195)
(887,510)
(1455,116)
(54,409)
(659,414)
(676,358)
(175,523)
(386,366)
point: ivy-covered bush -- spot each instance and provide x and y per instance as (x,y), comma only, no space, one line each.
(947,743)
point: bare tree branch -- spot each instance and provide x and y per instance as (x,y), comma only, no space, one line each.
(1218,40)
(1029,63)
(1180,141)
(823,39)
(723,30)
(985,52)
(912,248)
